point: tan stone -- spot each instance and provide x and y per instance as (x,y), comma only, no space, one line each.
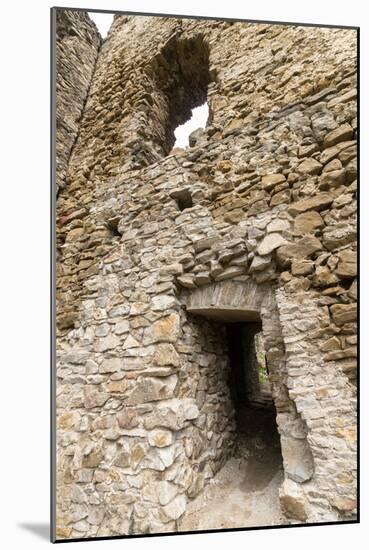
(152,389)
(292,500)
(347,264)
(324,277)
(271,180)
(137,454)
(344,504)
(332,179)
(328,154)
(303,248)
(165,354)
(307,222)
(166,329)
(302,267)
(342,133)
(93,459)
(116,386)
(280,198)
(343,313)
(317,202)
(309,166)
(69,420)
(187,281)
(160,438)
(332,343)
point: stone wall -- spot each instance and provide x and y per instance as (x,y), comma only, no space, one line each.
(259,213)
(77,45)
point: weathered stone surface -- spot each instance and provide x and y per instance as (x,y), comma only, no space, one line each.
(128,418)
(269,243)
(166,492)
(93,458)
(278,226)
(331,344)
(297,459)
(271,180)
(259,263)
(108,343)
(113,364)
(166,329)
(338,235)
(293,501)
(176,508)
(230,272)
(165,354)
(173,414)
(332,179)
(343,313)
(302,267)
(307,222)
(187,281)
(328,154)
(342,133)
(317,202)
(347,264)
(160,438)
(94,398)
(309,166)
(152,389)
(303,248)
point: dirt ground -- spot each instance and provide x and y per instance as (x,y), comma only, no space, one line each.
(244,493)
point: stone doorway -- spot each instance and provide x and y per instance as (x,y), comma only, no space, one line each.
(245,490)
(257,442)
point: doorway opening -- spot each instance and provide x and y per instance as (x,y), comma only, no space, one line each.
(245,490)
(257,438)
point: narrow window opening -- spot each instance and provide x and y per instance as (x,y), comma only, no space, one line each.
(180,73)
(188,133)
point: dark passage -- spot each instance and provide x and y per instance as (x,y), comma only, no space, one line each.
(257,436)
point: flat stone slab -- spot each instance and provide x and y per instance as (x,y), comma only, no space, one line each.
(226,314)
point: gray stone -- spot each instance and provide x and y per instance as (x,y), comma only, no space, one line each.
(166,492)
(269,243)
(176,508)
(152,389)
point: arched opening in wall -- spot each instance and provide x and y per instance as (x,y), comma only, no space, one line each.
(249,471)
(180,72)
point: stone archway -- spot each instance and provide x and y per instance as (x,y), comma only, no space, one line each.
(236,303)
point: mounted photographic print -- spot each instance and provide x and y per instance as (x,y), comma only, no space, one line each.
(204,180)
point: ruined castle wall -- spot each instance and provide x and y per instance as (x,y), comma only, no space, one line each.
(77,45)
(144,412)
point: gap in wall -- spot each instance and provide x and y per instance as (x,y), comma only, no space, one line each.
(198,121)
(257,433)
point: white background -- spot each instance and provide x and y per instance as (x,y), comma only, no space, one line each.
(24,356)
